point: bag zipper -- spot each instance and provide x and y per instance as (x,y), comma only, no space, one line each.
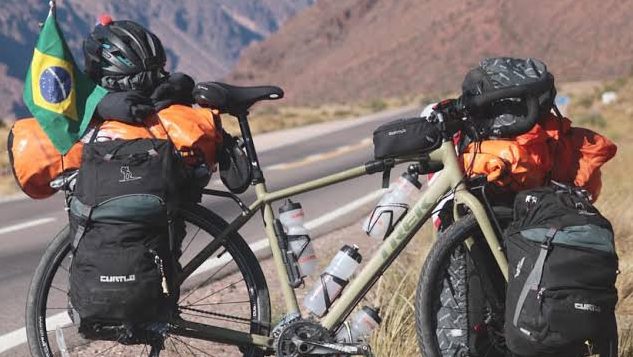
(162,201)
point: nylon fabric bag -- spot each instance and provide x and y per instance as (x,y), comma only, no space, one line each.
(195,132)
(122,272)
(405,137)
(507,95)
(35,162)
(515,164)
(579,154)
(552,149)
(562,270)
(236,171)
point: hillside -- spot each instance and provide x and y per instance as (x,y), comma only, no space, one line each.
(202,37)
(365,49)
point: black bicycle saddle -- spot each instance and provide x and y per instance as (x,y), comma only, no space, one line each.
(231,99)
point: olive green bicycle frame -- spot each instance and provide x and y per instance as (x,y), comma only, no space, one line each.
(450,178)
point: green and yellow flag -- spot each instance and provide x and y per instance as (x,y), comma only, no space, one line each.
(60,96)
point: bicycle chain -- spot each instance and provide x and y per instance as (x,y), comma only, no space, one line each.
(215,314)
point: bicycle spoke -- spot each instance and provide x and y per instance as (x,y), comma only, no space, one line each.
(174,345)
(206,281)
(191,241)
(64,268)
(59,289)
(224,288)
(104,351)
(195,348)
(186,345)
(219,289)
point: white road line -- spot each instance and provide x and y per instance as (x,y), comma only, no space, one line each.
(341,150)
(313,224)
(18,337)
(27,224)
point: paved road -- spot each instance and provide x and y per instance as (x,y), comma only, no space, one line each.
(27,226)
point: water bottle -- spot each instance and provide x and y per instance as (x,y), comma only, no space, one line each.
(292,216)
(360,326)
(333,280)
(392,206)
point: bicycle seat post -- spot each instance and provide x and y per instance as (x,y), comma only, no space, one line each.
(258,175)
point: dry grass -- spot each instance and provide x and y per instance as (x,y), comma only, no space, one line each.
(396,291)
(617,191)
(395,294)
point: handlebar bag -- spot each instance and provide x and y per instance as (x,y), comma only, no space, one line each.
(406,137)
(562,272)
(507,96)
(122,267)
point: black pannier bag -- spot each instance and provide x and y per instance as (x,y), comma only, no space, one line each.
(562,272)
(507,96)
(405,137)
(122,270)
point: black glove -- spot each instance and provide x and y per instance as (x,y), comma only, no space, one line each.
(175,89)
(128,107)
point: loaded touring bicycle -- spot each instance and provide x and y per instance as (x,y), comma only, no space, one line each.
(237,312)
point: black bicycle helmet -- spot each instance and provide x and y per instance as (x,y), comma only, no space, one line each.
(506,96)
(123,55)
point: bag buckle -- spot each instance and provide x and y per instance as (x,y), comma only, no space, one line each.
(551,233)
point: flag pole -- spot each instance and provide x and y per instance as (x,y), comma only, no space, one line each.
(53,8)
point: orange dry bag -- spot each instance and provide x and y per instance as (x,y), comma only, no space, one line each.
(516,164)
(196,133)
(35,161)
(579,155)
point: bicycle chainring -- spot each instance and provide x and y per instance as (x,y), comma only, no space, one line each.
(297,338)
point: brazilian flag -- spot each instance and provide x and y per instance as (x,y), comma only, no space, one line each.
(60,96)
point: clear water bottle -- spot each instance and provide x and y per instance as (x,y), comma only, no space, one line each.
(333,280)
(360,326)
(292,217)
(392,206)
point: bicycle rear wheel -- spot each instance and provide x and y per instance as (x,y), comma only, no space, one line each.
(230,292)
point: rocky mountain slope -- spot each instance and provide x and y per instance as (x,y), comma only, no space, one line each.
(364,49)
(203,37)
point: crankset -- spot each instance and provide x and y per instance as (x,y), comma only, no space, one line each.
(307,338)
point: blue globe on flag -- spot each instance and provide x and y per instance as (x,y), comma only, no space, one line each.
(55,84)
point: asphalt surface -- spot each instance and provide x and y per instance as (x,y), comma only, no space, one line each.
(27,226)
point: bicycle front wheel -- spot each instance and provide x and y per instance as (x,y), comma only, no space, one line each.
(460,295)
(230,292)
(460,299)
